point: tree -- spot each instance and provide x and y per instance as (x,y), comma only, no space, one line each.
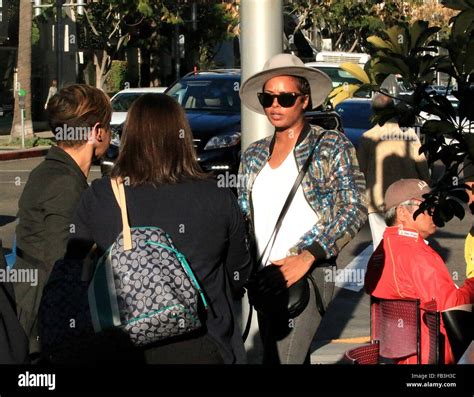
(411,52)
(103,30)
(434,12)
(24,70)
(347,22)
(110,25)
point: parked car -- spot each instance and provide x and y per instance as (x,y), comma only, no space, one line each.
(121,102)
(355,112)
(212,104)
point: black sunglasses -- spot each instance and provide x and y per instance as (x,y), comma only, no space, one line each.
(285,99)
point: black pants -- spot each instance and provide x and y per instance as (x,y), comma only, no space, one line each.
(199,350)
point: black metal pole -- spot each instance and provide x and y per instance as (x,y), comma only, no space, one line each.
(59,59)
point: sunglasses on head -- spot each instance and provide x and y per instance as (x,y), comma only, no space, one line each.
(285,99)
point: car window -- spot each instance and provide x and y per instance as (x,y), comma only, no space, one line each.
(339,77)
(212,94)
(122,102)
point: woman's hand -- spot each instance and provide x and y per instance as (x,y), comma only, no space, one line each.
(295,267)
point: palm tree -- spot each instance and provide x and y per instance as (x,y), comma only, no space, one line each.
(24,70)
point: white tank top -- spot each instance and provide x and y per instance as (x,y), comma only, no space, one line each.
(269,193)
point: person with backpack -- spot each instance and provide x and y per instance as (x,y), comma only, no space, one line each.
(194,225)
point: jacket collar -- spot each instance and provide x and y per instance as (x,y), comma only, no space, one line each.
(303,134)
(58,154)
(404,232)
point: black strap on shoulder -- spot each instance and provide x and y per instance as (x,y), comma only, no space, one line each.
(276,229)
(289,199)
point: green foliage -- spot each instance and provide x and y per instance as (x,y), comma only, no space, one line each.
(117,76)
(411,52)
(15,143)
(349,22)
(99,27)
(110,25)
(458,4)
(215,25)
(35,33)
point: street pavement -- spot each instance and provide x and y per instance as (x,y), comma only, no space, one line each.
(13,177)
(347,321)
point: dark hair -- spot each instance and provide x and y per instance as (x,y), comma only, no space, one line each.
(303,85)
(305,88)
(157,144)
(78,106)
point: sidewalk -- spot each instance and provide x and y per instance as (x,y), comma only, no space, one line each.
(12,153)
(346,325)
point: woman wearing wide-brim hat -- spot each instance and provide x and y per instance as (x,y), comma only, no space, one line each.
(327,209)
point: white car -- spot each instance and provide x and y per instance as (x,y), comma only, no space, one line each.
(122,101)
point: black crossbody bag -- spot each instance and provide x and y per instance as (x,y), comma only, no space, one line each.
(266,288)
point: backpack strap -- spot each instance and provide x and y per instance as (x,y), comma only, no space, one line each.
(119,193)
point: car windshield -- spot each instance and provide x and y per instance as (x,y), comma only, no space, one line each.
(207,94)
(122,102)
(339,77)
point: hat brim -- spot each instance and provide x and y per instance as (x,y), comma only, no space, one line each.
(319,82)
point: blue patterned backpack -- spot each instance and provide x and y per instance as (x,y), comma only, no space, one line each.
(143,285)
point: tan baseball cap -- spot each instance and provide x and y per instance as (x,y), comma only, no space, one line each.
(404,190)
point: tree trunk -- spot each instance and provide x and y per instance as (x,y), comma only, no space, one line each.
(101,61)
(338,41)
(24,71)
(356,42)
(98,70)
(145,68)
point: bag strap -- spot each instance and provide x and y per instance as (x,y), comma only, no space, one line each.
(289,199)
(119,193)
(283,212)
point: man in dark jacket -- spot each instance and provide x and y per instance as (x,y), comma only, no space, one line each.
(79,116)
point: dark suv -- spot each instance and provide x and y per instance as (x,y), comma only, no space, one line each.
(212,104)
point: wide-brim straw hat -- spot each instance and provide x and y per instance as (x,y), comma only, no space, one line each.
(285,65)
